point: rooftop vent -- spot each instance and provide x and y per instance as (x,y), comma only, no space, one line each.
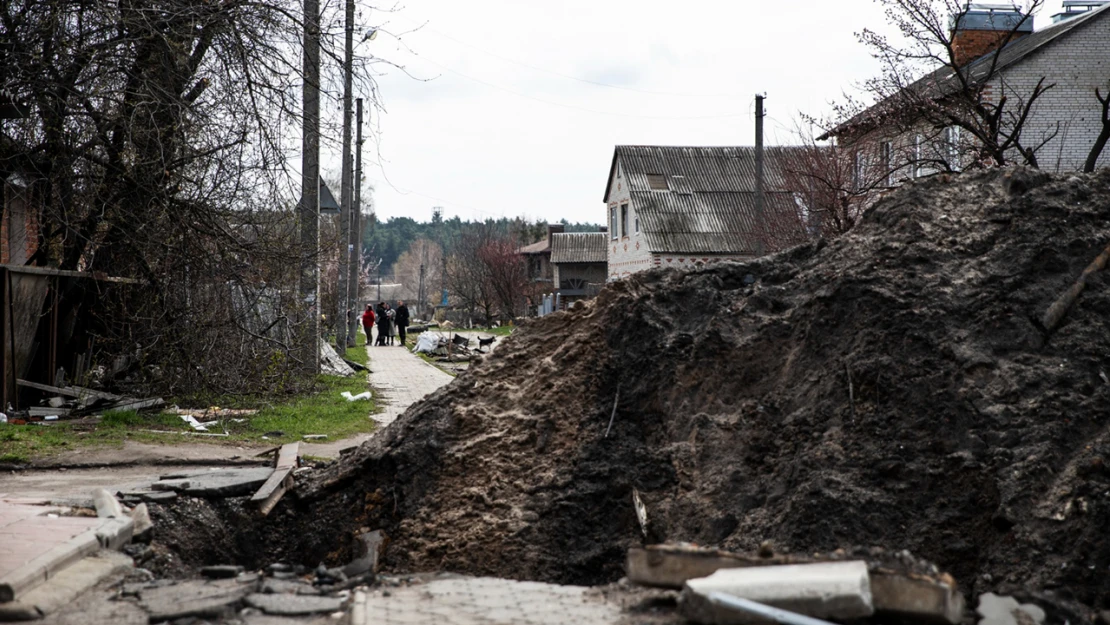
(657,182)
(1073,8)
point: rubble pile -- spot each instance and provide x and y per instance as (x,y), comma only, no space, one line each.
(894,387)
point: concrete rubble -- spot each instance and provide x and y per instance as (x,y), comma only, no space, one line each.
(825,590)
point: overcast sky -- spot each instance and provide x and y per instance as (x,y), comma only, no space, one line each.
(516,104)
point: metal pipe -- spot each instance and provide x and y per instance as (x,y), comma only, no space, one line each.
(778,615)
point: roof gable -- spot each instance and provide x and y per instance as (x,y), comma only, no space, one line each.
(579,247)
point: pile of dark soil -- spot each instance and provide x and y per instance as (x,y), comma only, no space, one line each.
(893,387)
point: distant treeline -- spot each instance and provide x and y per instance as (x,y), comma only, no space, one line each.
(389,239)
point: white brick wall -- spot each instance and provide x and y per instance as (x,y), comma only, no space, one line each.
(628,252)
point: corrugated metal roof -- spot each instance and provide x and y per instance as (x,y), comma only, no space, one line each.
(722,223)
(579,247)
(709,206)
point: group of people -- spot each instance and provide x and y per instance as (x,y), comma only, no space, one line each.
(391,322)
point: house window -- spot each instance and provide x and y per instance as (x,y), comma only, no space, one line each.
(952,147)
(657,182)
(636,222)
(624,219)
(613,223)
(917,156)
(885,154)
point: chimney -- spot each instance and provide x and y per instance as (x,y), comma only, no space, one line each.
(553,229)
(982,28)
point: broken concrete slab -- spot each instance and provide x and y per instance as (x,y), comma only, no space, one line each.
(288,587)
(46,565)
(223,483)
(827,590)
(917,599)
(69,583)
(193,598)
(1002,610)
(140,515)
(107,506)
(368,563)
(149,496)
(670,565)
(114,533)
(295,605)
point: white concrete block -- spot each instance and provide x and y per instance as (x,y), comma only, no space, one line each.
(107,506)
(832,590)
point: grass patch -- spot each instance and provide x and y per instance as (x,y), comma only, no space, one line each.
(320,410)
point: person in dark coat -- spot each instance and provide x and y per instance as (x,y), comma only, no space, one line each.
(383,324)
(402,319)
(368,323)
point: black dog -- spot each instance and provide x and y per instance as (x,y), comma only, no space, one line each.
(485,342)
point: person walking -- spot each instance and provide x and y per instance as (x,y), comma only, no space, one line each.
(383,324)
(368,323)
(402,320)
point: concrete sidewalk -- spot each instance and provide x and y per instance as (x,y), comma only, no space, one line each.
(399,379)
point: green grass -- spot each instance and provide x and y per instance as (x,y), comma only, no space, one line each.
(320,411)
(498,331)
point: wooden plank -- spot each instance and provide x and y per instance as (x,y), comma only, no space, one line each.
(277,478)
(50,271)
(287,457)
(70,391)
(272,501)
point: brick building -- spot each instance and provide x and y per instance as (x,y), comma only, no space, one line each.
(687,206)
(579,261)
(1072,54)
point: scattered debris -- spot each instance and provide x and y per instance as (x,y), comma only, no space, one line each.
(314,437)
(106,505)
(331,363)
(295,604)
(360,397)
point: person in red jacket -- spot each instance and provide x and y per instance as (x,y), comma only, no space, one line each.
(368,323)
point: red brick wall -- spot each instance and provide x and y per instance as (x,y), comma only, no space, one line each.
(969,45)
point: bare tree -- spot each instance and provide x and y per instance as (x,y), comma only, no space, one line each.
(426,254)
(1103,135)
(157,134)
(926,86)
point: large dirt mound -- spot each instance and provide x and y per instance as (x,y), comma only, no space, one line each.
(893,387)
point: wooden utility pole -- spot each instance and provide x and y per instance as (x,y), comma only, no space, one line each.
(760,216)
(309,209)
(342,306)
(355,250)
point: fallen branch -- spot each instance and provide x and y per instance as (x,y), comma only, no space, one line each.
(1060,307)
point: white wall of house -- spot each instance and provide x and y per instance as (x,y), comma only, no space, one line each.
(628,251)
(1077,63)
(687,261)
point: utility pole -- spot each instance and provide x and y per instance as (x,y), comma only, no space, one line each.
(423,296)
(760,216)
(341,295)
(309,208)
(355,248)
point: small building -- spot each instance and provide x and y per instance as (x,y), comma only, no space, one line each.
(687,206)
(537,256)
(580,264)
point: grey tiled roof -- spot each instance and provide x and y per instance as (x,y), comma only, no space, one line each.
(578,247)
(709,204)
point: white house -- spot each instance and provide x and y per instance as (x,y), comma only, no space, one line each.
(1072,55)
(686,206)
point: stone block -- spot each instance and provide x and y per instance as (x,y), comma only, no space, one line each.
(114,533)
(670,565)
(1001,610)
(917,600)
(107,507)
(193,598)
(295,605)
(827,590)
(140,515)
